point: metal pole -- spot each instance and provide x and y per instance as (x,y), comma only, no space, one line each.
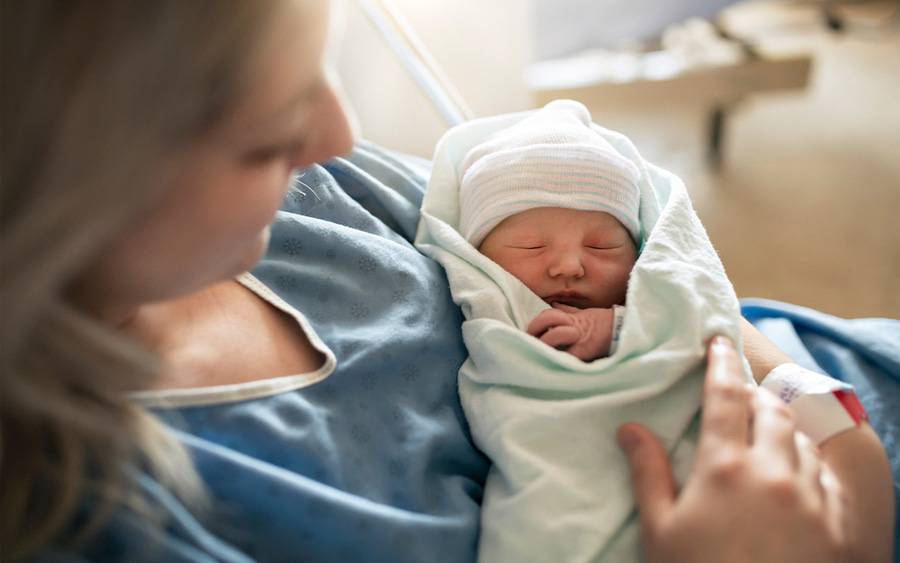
(417,61)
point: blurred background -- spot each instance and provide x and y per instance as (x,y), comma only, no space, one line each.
(782,117)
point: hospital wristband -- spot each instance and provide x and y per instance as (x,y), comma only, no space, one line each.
(822,406)
(618,321)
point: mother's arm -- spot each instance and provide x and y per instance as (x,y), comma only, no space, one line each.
(758,491)
(855,456)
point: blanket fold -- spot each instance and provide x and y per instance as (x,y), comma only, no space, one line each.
(559,488)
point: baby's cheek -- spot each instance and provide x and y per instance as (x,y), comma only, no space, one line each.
(617,277)
(523,271)
(620,270)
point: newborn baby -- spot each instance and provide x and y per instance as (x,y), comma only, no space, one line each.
(545,222)
(556,206)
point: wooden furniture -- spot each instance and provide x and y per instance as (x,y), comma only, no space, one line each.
(717,86)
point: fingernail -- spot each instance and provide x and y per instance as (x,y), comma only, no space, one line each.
(721,344)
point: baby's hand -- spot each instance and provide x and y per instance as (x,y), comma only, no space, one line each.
(584,333)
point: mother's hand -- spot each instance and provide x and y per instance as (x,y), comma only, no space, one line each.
(758,491)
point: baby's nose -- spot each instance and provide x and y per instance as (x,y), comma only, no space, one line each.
(567,265)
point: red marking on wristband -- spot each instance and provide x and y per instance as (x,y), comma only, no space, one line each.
(851,404)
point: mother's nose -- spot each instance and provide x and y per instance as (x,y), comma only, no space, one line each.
(566,265)
(332,133)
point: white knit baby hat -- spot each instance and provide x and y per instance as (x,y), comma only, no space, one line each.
(551,158)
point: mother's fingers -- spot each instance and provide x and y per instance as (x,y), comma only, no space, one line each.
(834,502)
(773,431)
(651,473)
(726,398)
(810,463)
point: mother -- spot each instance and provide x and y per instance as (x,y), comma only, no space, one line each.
(147,148)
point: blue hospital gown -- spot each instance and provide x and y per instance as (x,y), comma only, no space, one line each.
(375,462)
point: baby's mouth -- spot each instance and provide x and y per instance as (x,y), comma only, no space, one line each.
(572,298)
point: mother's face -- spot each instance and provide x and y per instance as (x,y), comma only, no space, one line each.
(224,191)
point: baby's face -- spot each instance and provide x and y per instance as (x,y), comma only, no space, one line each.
(579,258)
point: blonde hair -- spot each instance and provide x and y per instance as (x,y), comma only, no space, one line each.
(97,96)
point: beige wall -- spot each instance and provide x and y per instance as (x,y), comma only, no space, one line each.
(482,46)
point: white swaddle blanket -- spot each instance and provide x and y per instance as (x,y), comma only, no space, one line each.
(559,488)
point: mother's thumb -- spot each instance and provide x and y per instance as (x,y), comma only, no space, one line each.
(651,472)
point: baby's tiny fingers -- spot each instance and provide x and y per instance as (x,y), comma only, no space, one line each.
(584,351)
(561,336)
(546,320)
(566,308)
(590,348)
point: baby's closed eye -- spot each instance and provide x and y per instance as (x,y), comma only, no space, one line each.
(604,246)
